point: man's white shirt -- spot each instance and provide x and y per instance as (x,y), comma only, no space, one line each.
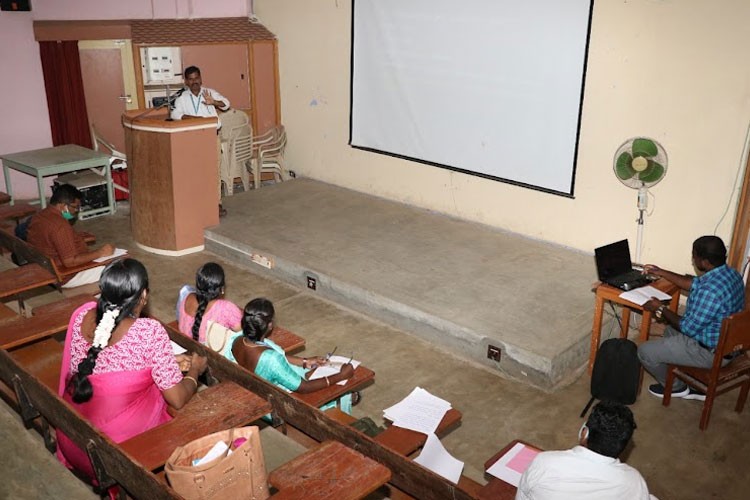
(581,474)
(189,104)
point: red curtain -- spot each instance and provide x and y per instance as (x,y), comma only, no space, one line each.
(63,82)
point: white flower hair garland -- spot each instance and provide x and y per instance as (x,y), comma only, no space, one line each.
(104,329)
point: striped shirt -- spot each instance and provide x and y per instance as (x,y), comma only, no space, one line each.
(714,296)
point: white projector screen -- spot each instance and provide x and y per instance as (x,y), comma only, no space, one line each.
(487,87)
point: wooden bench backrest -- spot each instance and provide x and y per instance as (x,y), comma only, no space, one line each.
(407,475)
(139,482)
(25,251)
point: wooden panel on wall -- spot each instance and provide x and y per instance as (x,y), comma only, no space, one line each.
(265,85)
(223,67)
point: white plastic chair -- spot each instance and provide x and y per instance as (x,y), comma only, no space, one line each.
(269,155)
(117,159)
(236,149)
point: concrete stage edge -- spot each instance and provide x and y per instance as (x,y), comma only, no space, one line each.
(456,284)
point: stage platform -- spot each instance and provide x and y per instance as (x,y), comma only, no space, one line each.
(456,284)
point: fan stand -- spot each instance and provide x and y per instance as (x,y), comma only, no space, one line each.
(642,206)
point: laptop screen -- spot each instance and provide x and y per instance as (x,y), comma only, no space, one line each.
(613,260)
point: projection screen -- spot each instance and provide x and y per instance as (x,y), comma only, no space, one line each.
(491,88)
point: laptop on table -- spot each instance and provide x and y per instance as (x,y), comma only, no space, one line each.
(614,267)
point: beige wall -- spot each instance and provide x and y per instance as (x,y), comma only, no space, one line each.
(676,71)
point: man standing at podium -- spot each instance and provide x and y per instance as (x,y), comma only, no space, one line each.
(200,102)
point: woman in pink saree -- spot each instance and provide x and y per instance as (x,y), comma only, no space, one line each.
(118,369)
(197,306)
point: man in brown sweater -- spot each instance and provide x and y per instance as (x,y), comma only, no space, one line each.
(50,231)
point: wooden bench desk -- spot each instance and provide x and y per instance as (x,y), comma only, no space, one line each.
(282,337)
(497,489)
(17,211)
(402,441)
(41,359)
(15,333)
(362,376)
(24,278)
(216,408)
(329,470)
(607,293)
(6,313)
(63,306)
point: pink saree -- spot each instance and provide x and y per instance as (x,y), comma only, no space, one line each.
(124,404)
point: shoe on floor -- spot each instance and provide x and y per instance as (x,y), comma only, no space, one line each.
(695,395)
(222,211)
(658,391)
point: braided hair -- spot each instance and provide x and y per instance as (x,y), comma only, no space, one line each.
(209,284)
(256,319)
(122,284)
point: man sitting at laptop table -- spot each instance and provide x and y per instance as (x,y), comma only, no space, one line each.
(717,292)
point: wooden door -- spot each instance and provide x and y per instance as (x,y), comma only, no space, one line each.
(108,85)
(224,67)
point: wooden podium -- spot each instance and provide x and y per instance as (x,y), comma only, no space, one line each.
(174,177)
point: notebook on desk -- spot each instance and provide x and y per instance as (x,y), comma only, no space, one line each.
(615,268)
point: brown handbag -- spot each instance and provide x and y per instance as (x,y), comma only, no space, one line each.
(241,474)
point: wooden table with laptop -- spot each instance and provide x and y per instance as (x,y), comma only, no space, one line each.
(606,293)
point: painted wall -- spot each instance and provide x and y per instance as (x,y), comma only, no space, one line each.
(676,71)
(25,118)
(25,123)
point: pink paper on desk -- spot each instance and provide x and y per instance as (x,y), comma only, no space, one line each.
(523,458)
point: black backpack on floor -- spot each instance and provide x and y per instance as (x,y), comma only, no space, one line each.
(616,373)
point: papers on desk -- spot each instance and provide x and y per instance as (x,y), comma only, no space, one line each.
(419,411)
(436,458)
(333,367)
(119,252)
(177,348)
(511,466)
(643,294)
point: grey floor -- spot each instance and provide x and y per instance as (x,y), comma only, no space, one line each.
(677,460)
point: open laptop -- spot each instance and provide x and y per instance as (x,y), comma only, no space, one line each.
(615,268)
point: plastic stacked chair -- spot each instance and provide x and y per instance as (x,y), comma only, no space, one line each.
(236,149)
(269,155)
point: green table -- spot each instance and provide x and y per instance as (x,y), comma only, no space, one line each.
(59,160)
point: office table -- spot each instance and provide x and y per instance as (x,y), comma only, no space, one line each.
(609,293)
(59,160)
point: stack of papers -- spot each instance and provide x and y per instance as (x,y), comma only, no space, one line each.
(419,411)
(643,294)
(333,367)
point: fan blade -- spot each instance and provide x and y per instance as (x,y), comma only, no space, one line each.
(644,147)
(623,169)
(653,172)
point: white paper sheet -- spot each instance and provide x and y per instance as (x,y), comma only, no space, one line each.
(119,252)
(643,294)
(436,458)
(420,411)
(511,466)
(177,348)
(333,367)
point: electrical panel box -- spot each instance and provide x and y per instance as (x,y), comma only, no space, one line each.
(161,65)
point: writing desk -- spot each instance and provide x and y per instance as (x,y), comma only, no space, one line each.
(214,409)
(330,470)
(361,377)
(607,293)
(497,489)
(59,160)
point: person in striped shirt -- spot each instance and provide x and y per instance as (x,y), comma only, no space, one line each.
(717,292)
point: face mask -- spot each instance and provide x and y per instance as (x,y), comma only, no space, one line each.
(68,216)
